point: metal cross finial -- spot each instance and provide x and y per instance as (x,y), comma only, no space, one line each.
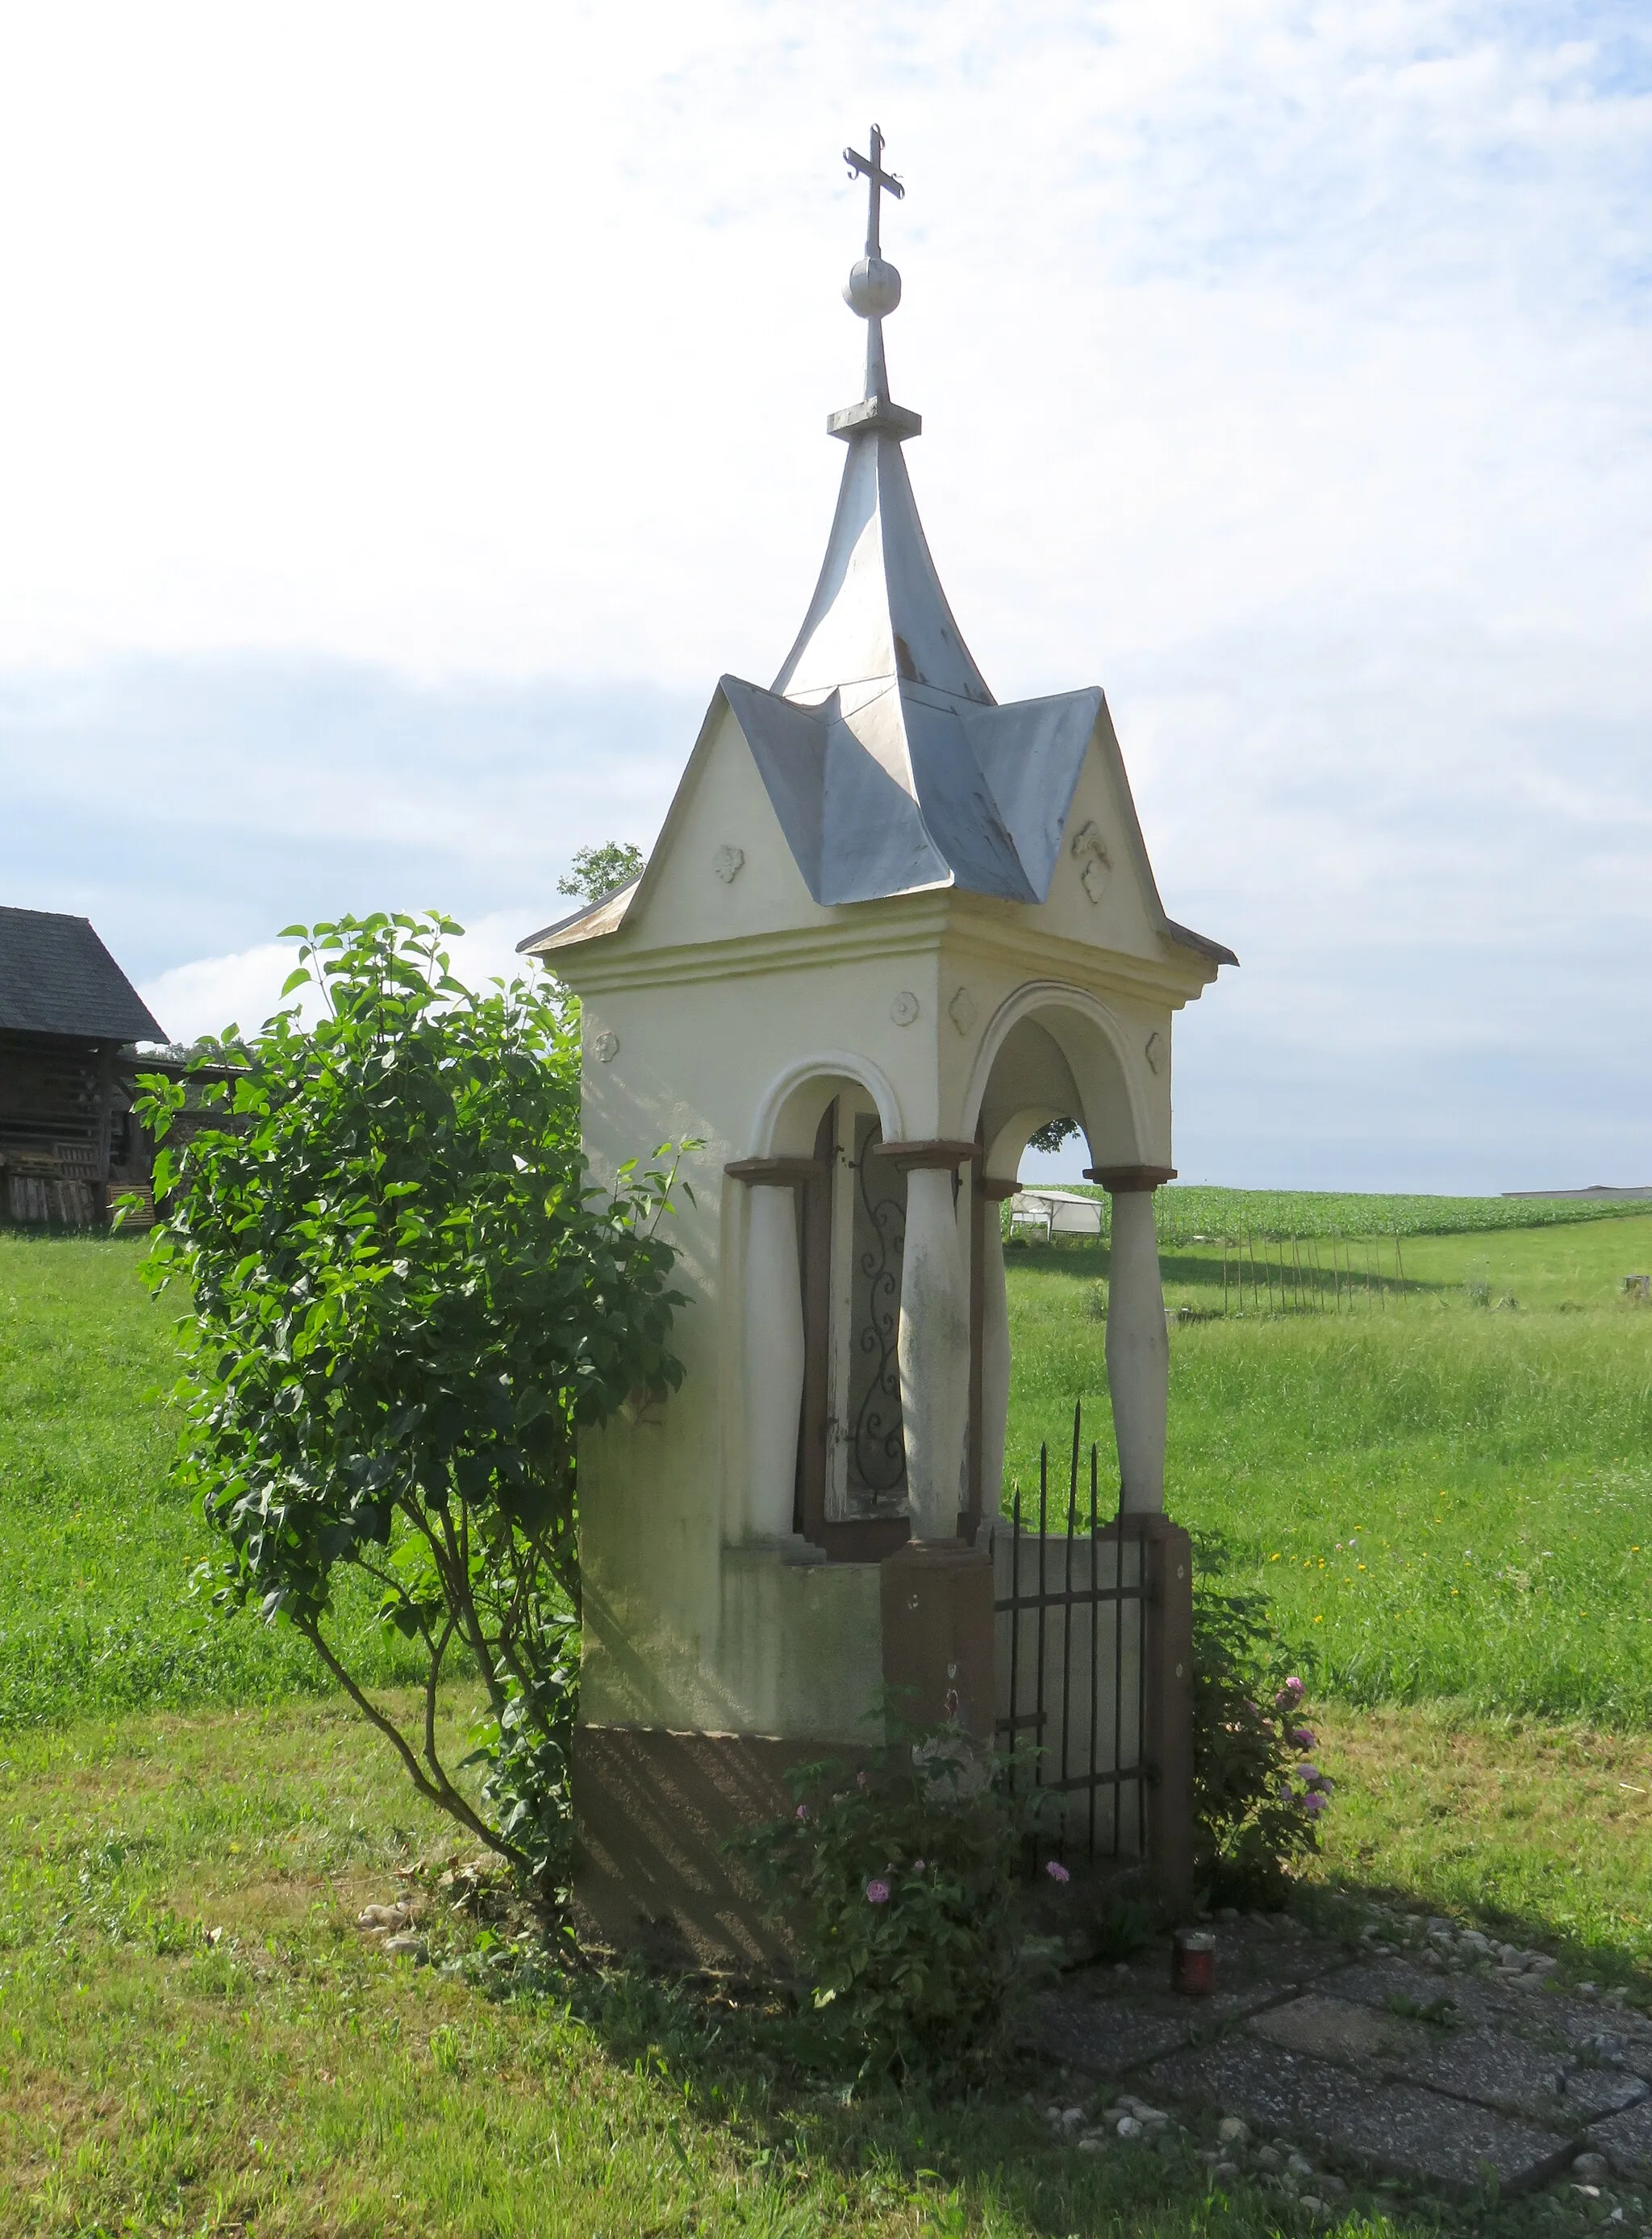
(871,169)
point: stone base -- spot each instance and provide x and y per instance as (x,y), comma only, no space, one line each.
(651,1811)
(937,1627)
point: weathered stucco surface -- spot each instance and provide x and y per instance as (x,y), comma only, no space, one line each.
(730,1009)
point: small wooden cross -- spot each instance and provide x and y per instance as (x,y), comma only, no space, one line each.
(876,177)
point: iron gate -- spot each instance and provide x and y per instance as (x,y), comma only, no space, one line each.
(1072,1655)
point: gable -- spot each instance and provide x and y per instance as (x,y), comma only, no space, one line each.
(722,866)
(57,978)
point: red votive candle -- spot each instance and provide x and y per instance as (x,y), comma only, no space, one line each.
(1193,1962)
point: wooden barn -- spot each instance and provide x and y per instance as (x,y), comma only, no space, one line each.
(68,1018)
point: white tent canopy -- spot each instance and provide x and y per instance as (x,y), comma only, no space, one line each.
(1060,1213)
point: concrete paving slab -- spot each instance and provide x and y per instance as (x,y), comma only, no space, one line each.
(1491,2066)
(1105,2020)
(1544,2016)
(1398,2128)
(1103,2037)
(1626,2140)
(1357,2036)
(1498,2069)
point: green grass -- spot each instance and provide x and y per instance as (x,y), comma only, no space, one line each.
(1185,1211)
(96,1550)
(1445,1501)
(195,2037)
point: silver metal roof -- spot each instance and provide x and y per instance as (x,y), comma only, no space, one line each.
(890,765)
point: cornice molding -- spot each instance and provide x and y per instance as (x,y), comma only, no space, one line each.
(775,1174)
(939,1151)
(882,931)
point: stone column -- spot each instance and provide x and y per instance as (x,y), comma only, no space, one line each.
(773,1342)
(995,1344)
(774,1363)
(1139,1354)
(934,1343)
(937,1592)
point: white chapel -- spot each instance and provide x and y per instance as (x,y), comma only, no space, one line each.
(889,927)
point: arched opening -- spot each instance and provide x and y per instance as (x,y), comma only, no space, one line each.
(826,1448)
(1052,1053)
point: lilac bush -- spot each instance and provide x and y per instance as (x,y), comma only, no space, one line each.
(1258,1797)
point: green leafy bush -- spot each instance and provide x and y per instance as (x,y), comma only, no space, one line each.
(1258,1795)
(899,1880)
(406,1300)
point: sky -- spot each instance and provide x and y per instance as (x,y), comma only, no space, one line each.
(408,413)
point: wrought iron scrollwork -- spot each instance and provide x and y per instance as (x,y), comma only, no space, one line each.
(878,1444)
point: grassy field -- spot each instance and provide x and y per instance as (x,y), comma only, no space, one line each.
(1446,1500)
(96,1553)
(196,2038)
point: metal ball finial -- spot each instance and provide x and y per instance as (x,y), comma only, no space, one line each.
(873,290)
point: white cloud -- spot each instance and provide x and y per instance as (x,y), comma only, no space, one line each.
(215,992)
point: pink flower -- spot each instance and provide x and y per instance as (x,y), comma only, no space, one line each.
(1294,1688)
(1303,1738)
(918,1865)
(803,1811)
(860,1780)
(877,1892)
(1313,1803)
(1056,1871)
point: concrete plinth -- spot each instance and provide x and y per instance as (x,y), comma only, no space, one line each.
(938,1624)
(651,1813)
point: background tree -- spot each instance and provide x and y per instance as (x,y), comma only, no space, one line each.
(407,1300)
(597,871)
(1051,1135)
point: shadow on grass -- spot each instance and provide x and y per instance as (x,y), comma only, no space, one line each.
(1270,1284)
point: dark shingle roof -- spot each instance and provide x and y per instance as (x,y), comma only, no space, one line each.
(57,978)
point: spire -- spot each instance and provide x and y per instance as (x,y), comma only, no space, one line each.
(879,611)
(890,765)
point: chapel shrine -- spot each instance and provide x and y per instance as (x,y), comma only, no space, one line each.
(890,928)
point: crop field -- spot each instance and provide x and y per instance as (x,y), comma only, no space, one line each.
(1187,1212)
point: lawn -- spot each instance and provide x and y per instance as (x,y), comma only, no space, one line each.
(97,1553)
(1446,1500)
(195,2037)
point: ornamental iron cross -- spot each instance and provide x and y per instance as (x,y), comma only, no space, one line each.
(876,177)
